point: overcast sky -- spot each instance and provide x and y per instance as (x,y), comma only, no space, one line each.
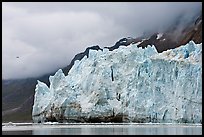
(39,38)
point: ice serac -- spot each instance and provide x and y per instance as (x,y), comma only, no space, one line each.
(128,84)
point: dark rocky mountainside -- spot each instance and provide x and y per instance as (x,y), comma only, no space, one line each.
(18,95)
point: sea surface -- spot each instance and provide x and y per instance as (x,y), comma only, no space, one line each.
(100,129)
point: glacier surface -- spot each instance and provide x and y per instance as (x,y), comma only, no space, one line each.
(128,84)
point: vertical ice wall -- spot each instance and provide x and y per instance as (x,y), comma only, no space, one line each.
(129,84)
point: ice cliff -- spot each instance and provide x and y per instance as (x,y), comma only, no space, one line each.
(128,84)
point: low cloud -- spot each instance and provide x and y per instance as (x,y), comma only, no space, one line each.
(39,38)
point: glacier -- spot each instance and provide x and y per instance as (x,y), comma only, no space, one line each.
(128,84)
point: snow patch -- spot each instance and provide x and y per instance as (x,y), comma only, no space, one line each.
(159,35)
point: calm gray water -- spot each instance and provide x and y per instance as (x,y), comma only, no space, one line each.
(103,129)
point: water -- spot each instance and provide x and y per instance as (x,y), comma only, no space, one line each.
(101,129)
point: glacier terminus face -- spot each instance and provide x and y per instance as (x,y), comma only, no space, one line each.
(128,84)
